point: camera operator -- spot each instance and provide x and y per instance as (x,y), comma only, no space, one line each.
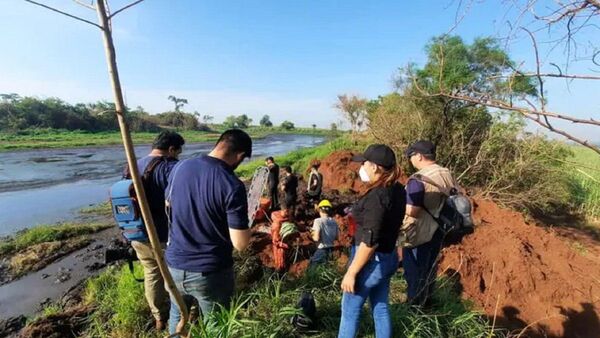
(157,165)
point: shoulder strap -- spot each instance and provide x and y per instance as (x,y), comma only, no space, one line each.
(152,165)
(149,168)
(168,196)
(425,179)
(130,265)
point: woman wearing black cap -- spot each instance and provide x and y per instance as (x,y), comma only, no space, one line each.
(374,260)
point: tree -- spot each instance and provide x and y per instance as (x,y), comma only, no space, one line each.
(314,126)
(353,108)
(265,121)
(207,119)
(179,102)
(241,121)
(287,125)
(559,24)
(105,17)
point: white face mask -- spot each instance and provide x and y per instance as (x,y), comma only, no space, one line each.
(363,174)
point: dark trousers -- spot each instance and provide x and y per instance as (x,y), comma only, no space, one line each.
(274,196)
(420,269)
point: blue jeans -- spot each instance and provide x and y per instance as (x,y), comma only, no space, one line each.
(321,256)
(372,282)
(420,269)
(208,289)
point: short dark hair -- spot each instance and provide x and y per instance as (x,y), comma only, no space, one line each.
(167,139)
(270,158)
(429,157)
(287,169)
(236,141)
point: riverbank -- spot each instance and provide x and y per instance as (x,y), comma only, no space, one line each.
(35,248)
(51,138)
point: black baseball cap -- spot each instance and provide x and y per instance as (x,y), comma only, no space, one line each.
(420,147)
(379,154)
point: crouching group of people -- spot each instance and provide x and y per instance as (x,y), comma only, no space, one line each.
(208,219)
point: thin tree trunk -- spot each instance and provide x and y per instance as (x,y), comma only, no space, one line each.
(131,160)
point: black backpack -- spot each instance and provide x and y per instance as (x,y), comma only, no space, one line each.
(455,215)
(306,320)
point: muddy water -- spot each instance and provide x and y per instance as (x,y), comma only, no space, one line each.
(47,186)
(24,296)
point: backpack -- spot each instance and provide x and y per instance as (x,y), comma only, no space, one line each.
(455,215)
(306,320)
(125,207)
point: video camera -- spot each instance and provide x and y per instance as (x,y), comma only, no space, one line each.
(112,254)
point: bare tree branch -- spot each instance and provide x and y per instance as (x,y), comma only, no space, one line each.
(531,114)
(564,76)
(64,13)
(89,6)
(124,8)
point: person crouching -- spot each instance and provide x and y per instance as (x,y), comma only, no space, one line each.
(325,231)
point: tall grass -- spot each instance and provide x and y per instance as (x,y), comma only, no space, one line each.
(585,181)
(120,306)
(265,309)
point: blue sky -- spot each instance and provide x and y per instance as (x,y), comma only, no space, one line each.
(288,59)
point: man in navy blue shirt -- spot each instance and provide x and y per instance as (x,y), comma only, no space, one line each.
(209,217)
(158,164)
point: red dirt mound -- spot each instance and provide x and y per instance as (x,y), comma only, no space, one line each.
(535,276)
(340,173)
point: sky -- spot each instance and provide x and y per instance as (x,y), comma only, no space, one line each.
(287,59)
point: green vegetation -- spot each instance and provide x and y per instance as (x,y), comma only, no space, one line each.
(584,172)
(51,138)
(265,308)
(121,309)
(240,121)
(29,122)
(100,209)
(48,233)
(300,159)
(489,151)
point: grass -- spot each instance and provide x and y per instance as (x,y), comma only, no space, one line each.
(265,309)
(100,209)
(48,233)
(585,181)
(120,307)
(52,138)
(300,159)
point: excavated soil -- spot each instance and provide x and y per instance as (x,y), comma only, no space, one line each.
(524,274)
(340,173)
(534,280)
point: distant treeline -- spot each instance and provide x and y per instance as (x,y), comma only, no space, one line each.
(18,113)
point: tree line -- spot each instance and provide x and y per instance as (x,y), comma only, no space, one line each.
(26,112)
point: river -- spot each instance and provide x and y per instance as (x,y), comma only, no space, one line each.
(50,185)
